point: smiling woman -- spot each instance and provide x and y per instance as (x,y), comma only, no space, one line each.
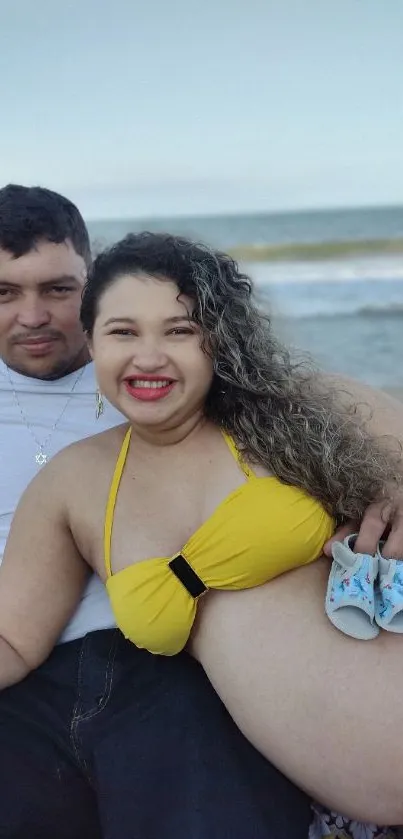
(148,387)
(151,365)
(232,470)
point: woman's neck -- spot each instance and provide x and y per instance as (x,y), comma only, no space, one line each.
(171,435)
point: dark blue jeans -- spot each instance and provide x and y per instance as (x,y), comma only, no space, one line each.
(106,740)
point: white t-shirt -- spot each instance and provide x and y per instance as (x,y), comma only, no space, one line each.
(42,402)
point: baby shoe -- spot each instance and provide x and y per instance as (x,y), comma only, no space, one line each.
(389,593)
(350,598)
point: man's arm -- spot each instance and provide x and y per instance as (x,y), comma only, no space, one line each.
(383,416)
(41,578)
(382,413)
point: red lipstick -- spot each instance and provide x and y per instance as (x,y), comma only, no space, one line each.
(149,388)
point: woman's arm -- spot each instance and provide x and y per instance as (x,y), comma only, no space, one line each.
(41,578)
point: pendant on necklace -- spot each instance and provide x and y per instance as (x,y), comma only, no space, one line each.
(41,457)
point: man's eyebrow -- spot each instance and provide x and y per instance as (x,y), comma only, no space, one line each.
(63,278)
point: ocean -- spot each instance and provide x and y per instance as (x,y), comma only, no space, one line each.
(332,280)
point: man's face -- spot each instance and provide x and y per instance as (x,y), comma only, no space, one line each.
(40,297)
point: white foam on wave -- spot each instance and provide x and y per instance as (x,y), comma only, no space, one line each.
(300,297)
(331,311)
(343,270)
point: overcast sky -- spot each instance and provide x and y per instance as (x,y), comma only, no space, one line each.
(178,106)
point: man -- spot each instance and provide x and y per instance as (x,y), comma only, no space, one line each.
(48,785)
(91,744)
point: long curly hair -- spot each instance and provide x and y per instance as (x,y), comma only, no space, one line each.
(282,414)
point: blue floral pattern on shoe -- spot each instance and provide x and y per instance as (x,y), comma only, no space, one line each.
(356,583)
(390,589)
(350,597)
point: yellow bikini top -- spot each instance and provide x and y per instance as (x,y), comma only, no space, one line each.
(259,531)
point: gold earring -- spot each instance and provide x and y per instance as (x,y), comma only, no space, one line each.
(99,403)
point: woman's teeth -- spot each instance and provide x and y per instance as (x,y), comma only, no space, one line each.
(144,383)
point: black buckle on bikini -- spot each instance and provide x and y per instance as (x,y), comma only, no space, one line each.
(185,574)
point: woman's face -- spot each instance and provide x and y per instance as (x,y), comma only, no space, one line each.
(147,352)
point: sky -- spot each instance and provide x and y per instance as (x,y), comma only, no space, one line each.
(165,107)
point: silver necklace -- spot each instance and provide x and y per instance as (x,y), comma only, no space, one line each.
(41,455)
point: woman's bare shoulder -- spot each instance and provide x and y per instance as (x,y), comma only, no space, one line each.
(85,460)
(102,444)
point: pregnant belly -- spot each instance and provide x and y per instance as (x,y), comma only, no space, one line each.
(326,709)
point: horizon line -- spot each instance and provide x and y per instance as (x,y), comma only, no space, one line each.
(349,208)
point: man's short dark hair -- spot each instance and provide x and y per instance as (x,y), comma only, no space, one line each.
(30,214)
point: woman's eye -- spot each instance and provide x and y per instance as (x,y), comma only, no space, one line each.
(182,330)
(122,332)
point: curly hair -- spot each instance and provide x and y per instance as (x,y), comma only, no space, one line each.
(279,411)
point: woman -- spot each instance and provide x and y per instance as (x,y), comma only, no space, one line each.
(181,349)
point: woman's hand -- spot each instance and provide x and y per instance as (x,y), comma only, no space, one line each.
(383,520)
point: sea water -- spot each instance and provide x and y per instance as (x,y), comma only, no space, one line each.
(346,311)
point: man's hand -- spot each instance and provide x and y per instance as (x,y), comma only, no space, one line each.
(383,520)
